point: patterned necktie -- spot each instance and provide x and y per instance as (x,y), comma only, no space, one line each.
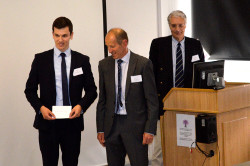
(119,100)
(64,81)
(179,74)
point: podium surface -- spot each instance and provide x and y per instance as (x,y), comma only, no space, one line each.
(231,106)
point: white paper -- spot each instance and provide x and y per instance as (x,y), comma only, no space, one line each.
(77,71)
(185,129)
(136,78)
(195,58)
(61,112)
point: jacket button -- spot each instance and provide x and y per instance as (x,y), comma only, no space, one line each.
(161,69)
(161,82)
(159,94)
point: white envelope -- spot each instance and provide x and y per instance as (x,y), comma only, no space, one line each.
(136,78)
(61,112)
(77,71)
(195,58)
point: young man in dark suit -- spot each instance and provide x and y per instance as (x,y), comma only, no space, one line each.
(61,75)
(128,106)
(173,57)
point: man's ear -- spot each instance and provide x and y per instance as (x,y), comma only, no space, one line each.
(71,35)
(125,42)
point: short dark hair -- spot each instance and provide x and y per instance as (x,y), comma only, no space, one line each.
(62,22)
(120,34)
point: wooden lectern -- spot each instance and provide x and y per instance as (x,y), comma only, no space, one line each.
(231,106)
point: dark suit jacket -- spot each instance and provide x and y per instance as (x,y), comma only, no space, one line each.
(140,98)
(42,73)
(161,56)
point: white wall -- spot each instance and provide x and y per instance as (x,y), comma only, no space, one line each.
(138,19)
(25,29)
(237,71)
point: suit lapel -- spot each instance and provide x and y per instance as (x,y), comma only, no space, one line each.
(51,67)
(111,75)
(131,69)
(72,65)
(51,72)
(187,56)
(166,59)
(169,56)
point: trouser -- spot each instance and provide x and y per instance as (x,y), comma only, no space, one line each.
(65,136)
(122,141)
(157,152)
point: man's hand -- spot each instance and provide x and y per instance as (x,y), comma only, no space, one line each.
(147,138)
(47,114)
(100,137)
(75,112)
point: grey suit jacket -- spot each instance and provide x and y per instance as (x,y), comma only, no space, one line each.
(140,98)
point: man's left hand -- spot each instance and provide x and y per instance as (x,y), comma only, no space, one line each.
(75,112)
(147,138)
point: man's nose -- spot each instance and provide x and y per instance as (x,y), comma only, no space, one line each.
(110,50)
(60,39)
(177,28)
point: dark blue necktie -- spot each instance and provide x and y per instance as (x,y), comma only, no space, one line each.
(119,100)
(179,74)
(65,91)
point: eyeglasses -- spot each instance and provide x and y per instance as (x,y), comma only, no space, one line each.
(177,25)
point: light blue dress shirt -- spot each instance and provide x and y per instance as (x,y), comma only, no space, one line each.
(124,67)
(58,75)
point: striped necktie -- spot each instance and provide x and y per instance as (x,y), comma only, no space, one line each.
(179,74)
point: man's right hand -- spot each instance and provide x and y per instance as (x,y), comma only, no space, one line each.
(100,137)
(47,114)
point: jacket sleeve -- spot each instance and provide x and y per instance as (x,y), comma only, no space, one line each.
(100,110)
(32,86)
(151,98)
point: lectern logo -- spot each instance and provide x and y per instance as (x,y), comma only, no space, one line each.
(185,122)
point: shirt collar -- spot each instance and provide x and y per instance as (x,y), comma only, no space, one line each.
(57,52)
(175,42)
(126,57)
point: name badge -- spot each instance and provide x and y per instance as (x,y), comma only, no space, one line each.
(77,71)
(136,78)
(195,58)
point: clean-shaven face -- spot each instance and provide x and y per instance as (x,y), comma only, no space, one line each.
(115,49)
(177,26)
(62,37)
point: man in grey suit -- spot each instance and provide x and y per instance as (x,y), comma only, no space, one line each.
(127,109)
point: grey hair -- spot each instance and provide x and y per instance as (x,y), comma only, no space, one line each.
(177,13)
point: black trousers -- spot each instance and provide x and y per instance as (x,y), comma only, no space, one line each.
(62,135)
(122,141)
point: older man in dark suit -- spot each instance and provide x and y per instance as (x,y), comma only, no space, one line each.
(128,106)
(61,74)
(173,57)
